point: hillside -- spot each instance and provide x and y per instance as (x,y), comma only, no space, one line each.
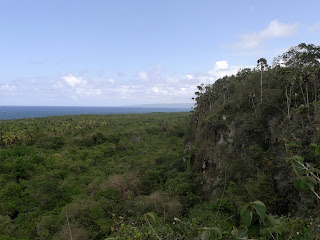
(90,173)
(247,131)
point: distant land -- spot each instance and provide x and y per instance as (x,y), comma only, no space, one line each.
(18,112)
(164,105)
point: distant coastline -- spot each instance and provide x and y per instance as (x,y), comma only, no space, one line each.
(169,105)
(20,112)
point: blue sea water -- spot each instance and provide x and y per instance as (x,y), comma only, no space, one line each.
(18,112)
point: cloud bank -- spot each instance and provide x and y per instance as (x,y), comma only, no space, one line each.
(77,86)
(152,86)
(274,30)
(314,28)
(144,87)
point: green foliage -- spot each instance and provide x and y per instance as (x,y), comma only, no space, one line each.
(308,176)
(151,216)
(261,187)
(242,126)
(211,233)
(246,215)
(192,174)
(94,169)
(260,208)
(234,151)
(50,142)
(258,224)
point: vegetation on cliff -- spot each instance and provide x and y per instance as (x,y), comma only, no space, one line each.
(246,129)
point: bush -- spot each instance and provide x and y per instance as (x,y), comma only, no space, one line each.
(50,142)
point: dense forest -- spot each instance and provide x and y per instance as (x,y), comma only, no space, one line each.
(90,174)
(255,136)
(243,164)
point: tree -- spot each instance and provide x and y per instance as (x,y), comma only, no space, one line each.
(262,62)
(303,61)
(302,55)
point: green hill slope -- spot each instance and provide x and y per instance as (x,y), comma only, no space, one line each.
(93,171)
(245,127)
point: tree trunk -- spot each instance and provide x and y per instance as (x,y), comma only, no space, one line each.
(304,98)
(288,103)
(261,85)
(307,93)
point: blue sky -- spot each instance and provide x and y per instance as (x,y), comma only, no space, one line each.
(122,52)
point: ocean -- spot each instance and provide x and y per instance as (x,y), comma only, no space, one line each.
(19,112)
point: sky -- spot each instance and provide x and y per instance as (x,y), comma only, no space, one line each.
(129,52)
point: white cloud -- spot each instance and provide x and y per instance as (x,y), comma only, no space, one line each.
(126,90)
(170,89)
(73,81)
(78,86)
(280,51)
(221,65)
(111,80)
(155,89)
(160,90)
(58,85)
(277,29)
(248,41)
(143,75)
(172,80)
(88,92)
(274,30)
(206,78)
(314,28)
(152,86)
(8,88)
(183,89)
(189,77)
(221,69)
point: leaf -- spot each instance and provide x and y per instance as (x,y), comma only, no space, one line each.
(316,170)
(311,181)
(298,158)
(205,235)
(243,234)
(287,159)
(254,230)
(243,208)
(211,233)
(278,228)
(298,167)
(314,145)
(292,144)
(272,221)
(215,233)
(151,215)
(301,184)
(261,209)
(246,215)
(317,150)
